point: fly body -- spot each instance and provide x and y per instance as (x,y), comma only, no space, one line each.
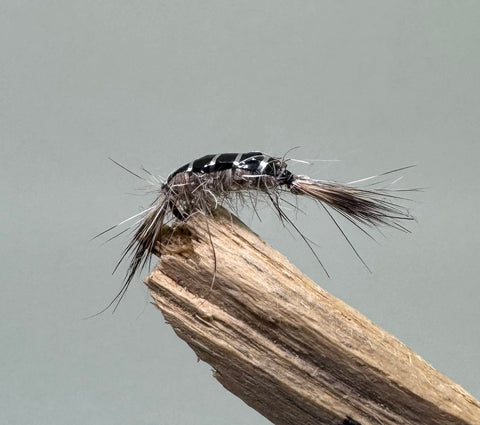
(220,176)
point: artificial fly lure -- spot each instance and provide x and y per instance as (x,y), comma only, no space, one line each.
(212,180)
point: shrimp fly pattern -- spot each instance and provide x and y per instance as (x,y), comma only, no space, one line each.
(216,179)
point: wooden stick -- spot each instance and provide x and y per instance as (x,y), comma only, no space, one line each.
(285,346)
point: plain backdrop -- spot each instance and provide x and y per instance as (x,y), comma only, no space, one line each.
(375,85)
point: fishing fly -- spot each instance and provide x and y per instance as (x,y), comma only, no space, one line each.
(226,178)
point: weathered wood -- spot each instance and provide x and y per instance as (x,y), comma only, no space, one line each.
(285,346)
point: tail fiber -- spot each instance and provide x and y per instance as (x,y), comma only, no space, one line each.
(372,207)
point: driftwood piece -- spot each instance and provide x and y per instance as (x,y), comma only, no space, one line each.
(285,346)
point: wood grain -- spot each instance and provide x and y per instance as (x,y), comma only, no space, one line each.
(285,346)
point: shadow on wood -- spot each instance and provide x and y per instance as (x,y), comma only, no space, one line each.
(286,347)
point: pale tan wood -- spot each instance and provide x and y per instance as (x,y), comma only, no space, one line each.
(285,346)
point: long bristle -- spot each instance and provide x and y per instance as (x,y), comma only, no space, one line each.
(140,248)
(373,207)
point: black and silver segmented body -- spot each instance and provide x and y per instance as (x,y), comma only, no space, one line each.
(202,184)
(208,181)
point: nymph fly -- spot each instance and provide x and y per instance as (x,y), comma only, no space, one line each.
(202,184)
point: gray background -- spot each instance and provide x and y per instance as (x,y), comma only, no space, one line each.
(376,84)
